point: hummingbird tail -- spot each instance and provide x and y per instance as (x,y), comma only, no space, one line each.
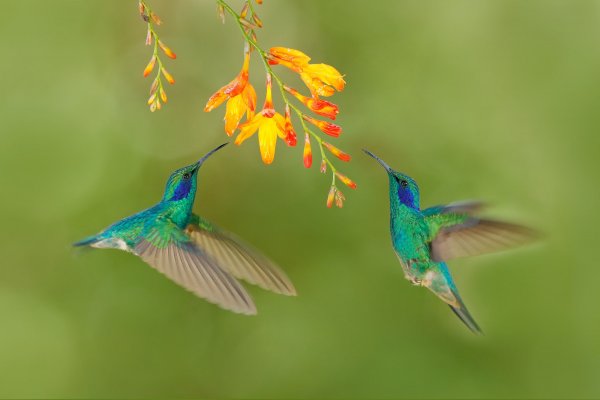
(86,242)
(464,315)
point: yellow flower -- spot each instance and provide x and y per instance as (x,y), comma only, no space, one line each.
(321,79)
(240,96)
(232,89)
(270,125)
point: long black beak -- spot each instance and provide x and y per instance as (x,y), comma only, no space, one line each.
(200,161)
(379,160)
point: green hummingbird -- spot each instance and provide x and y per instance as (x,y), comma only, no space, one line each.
(425,239)
(190,250)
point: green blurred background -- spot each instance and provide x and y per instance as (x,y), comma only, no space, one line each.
(495,100)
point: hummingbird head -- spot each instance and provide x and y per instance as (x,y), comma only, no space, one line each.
(182,183)
(403,189)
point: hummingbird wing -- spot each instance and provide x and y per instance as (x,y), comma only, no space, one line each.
(238,258)
(169,250)
(460,207)
(457,233)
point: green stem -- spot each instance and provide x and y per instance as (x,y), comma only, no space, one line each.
(280,84)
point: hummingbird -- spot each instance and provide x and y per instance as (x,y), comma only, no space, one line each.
(192,251)
(424,239)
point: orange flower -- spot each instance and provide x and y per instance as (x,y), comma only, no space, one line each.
(322,79)
(318,106)
(327,127)
(307,151)
(337,152)
(233,88)
(270,125)
(291,58)
(236,106)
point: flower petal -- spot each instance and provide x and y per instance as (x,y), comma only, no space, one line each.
(267,139)
(248,128)
(234,111)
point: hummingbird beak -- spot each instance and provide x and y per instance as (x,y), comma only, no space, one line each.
(200,161)
(379,160)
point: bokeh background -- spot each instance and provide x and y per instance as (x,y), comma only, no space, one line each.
(494,100)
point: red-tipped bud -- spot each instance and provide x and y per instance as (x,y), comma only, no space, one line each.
(326,127)
(290,134)
(150,66)
(347,181)
(337,152)
(167,50)
(307,151)
(168,76)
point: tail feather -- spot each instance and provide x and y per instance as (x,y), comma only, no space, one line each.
(466,318)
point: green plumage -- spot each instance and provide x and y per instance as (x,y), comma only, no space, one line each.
(191,251)
(424,239)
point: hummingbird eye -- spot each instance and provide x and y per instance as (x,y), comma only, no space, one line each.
(404,183)
(187,175)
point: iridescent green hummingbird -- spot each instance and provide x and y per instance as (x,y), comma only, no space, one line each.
(190,250)
(425,239)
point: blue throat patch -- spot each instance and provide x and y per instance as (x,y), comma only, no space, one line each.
(406,197)
(183,189)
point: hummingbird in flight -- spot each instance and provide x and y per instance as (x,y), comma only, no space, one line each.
(424,239)
(190,250)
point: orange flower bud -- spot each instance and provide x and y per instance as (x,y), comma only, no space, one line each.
(150,66)
(141,8)
(257,20)
(290,134)
(168,76)
(337,152)
(156,20)
(247,23)
(318,106)
(259,1)
(331,196)
(326,127)
(167,50)
(244,11)
(323,166)
(307,151)
(148,37)
(347,181)
(163,95)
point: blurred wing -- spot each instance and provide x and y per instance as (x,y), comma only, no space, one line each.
(239,259)
(171,253)
(477,236)
(461,207)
